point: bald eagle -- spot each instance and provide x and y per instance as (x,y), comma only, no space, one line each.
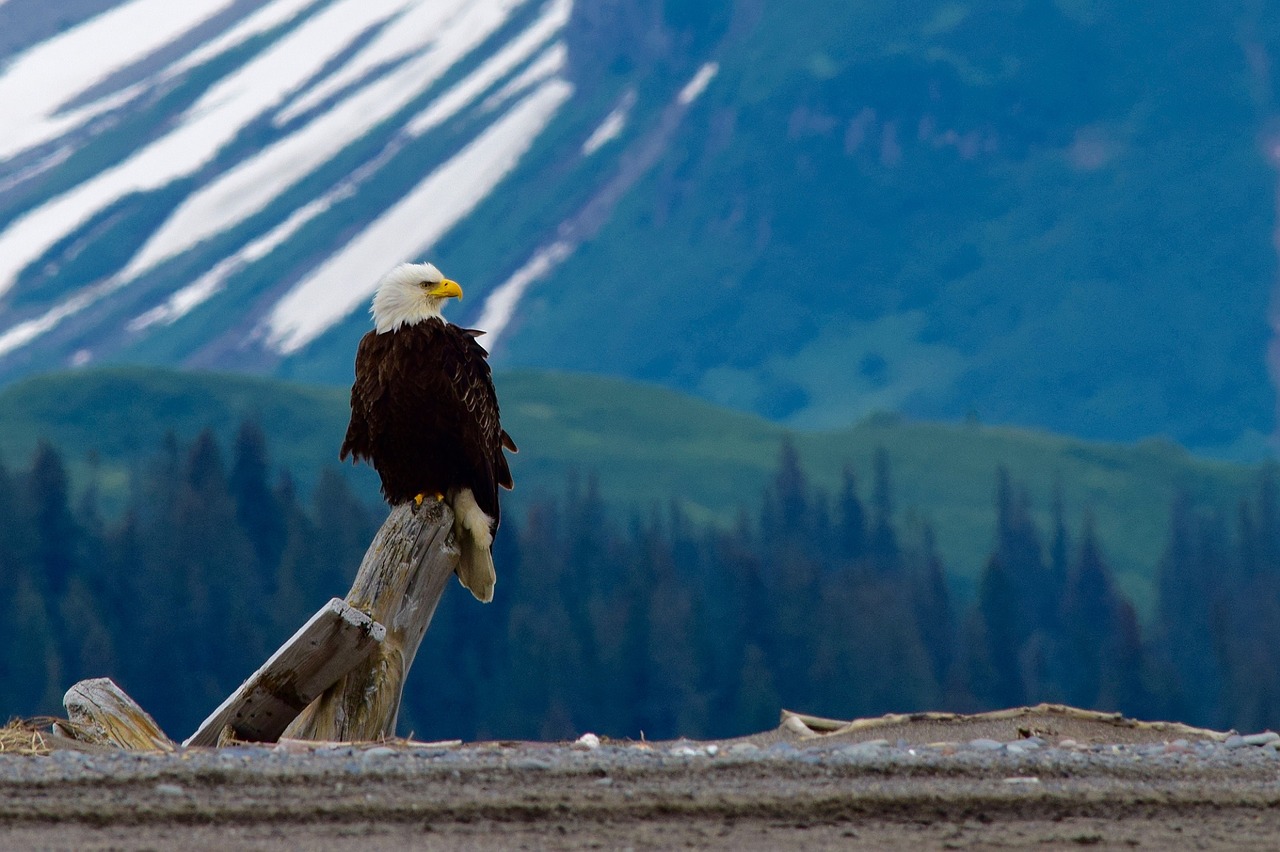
(424,413)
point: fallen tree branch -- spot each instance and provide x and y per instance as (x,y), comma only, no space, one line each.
(399,584)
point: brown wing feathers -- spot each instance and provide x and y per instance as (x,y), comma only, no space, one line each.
(425,413)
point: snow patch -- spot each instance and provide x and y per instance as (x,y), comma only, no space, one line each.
(344,282)
(208,125)
(551,62)
(57,157)
(41,79)
(494,69)
(611,127)
(266,18)
(212,282)
(253,184)
(696,86)
(403,36)
(25,332)
(500,307)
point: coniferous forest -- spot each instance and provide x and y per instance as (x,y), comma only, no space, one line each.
(636,624)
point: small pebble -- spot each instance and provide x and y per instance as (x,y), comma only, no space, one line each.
(429,752)
(713,750)
(743,748)
(169,790)
(376,754)
(1265,738)
(1022,780)
(796,726)
(587,742)
(862,749)
(1234,741)
(985,745)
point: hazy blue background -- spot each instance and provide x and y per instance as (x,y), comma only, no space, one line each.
(1053,213)
(949,321)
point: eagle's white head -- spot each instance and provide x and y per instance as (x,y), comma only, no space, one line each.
(409,294)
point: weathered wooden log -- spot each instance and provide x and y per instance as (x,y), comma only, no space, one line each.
(330,644)
(399,585)
(102,714)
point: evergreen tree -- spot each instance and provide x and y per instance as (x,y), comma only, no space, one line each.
(32,671)
(56,535)
(851,519)
(1189,583)
(785,514)
(884,541)
(290,601)
(663,626)
(931,601)
(259,515)
(1060,545)
(343,527)
(996,679)
(1101,633)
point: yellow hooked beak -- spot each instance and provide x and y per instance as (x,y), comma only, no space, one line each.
(445,289)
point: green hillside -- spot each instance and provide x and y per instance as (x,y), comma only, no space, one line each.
(647,445)
(1051,213)
(1055,214)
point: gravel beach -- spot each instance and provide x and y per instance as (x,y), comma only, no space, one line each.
(759,793)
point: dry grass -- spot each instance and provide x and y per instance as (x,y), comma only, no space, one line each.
(27,737)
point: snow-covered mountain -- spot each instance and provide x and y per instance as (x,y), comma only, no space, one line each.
(1054,213)
(199,144)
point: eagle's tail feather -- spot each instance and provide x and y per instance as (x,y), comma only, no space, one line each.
(473,531)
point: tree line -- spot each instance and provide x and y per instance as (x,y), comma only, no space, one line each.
(635,625)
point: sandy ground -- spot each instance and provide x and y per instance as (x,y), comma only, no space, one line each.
(536,796)
(1028,778)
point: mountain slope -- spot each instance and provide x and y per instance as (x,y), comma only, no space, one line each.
(1055,214)
(647,446)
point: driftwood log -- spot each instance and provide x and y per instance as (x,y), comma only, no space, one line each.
(399,584)
(339,678)
(329,645)
(102,714)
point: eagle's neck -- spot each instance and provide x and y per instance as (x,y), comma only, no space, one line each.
(394,307)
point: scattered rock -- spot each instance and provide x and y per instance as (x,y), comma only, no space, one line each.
(1263,739)
(587,742)
(169,790)
(793,724)
(985,745)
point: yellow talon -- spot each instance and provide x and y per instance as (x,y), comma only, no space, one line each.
(418,498)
